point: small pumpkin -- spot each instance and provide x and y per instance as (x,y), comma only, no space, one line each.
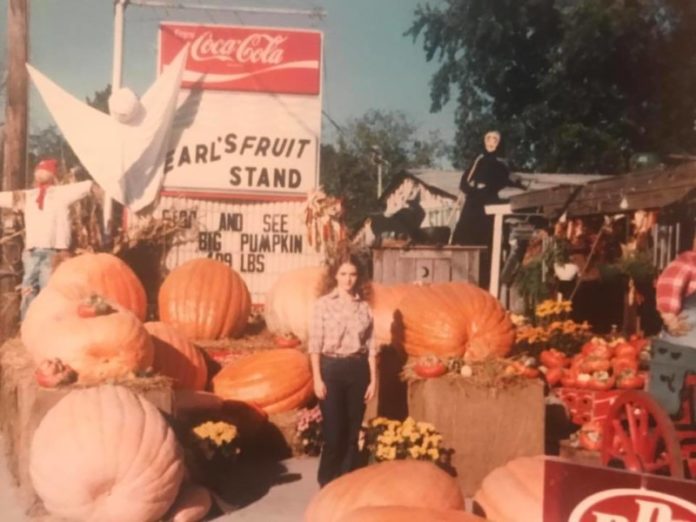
(105,453)
(191,505)
(412,483)
(453,319)
(177,357)
(290,300)
(52,372)
(408,514)
(205,299)
(514,492)
(275,380)
(109,342)
(102,274)
(429,367)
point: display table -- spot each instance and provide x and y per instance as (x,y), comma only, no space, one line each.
(486,427)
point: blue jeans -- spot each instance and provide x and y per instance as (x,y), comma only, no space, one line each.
(38,263)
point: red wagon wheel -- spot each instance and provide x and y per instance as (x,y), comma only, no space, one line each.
(640,436)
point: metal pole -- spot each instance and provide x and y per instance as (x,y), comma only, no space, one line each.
(317,12)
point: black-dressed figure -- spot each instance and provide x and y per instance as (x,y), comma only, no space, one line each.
(479,187)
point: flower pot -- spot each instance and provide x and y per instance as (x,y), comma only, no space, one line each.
(566,271)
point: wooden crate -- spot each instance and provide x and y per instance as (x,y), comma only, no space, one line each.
(428,264)
(485,427)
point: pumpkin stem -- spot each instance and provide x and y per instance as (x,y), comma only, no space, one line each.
(94,306)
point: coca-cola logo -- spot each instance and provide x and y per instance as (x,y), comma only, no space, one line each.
(256,48)
(633,505)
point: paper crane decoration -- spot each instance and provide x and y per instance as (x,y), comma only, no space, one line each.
(123,151)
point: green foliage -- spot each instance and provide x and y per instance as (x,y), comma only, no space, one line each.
(575,85)
(349,166)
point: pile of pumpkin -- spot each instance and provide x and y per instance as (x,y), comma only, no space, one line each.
(88,325)
(601,365)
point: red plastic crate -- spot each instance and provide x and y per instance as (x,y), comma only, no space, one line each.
(586,405)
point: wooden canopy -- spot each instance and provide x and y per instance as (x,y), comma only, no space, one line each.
(647,189)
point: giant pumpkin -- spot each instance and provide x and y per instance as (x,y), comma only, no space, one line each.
(290,300)
(177,357)
(275,380)
(99,339)
(408,514)
(413,483)
(205,299)
(514,492)
(451,319)
(384,301)
(102,274)
(105,454)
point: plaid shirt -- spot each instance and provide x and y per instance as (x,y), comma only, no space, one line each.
(676,282)
(341,327)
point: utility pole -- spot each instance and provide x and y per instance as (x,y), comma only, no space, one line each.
(14,164)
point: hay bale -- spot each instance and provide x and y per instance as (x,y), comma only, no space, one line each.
(486,427)
(23,404)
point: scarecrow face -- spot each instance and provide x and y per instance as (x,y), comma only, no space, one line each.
(43,176)
(491,141)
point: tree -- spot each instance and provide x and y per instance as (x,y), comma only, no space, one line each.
(575,85)
(349,166)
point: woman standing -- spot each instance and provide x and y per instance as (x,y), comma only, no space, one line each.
(344,365)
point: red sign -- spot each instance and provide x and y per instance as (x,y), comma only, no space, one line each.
(258,59)
(578,493)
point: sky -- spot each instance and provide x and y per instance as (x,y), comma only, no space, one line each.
(368,63)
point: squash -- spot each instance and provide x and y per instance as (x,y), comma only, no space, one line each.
(111,344)
(105,454)
(453,319)
(384,301)
(205,299)
(514,492)
(275,380)
(290,301)
(192,504)
(177,357)
(102,274)
(412,483)
(408,514)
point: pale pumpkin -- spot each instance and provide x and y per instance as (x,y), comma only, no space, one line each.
(384,301)
(177,357)
(514,492)
(205,299)
(275,380)
(290,301)
(408,514)
(412,483)
(453,319)
(192,504)
(105,454)
(111,344)
(102,274)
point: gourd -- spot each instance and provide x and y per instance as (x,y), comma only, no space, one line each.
(453,319)
(205,299)
(98,339)
(290,300)
(177,357)
(192,504)
(412,483)
(408,514)
(105,454)
(275,380)
(102,274)
(514,492)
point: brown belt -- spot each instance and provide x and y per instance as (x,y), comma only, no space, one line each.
(354,355)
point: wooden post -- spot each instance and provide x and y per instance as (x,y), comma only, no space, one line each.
(14,165)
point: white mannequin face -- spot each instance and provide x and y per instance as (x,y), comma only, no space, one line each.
(491,141)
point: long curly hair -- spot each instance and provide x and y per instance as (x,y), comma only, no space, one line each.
(335,261)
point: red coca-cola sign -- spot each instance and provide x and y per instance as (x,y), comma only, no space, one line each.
(633,505)
(258,59)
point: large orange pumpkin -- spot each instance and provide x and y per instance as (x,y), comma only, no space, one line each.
(105,453)
(205,299)
(177,357)
(275,380)
(450,319)
(98,345)
(514,492)
(384,301)
(290,300)
(102,274)
(413,483)
(408,514)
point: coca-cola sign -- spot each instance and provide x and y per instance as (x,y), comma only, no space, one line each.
(633,505)
(258,59)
